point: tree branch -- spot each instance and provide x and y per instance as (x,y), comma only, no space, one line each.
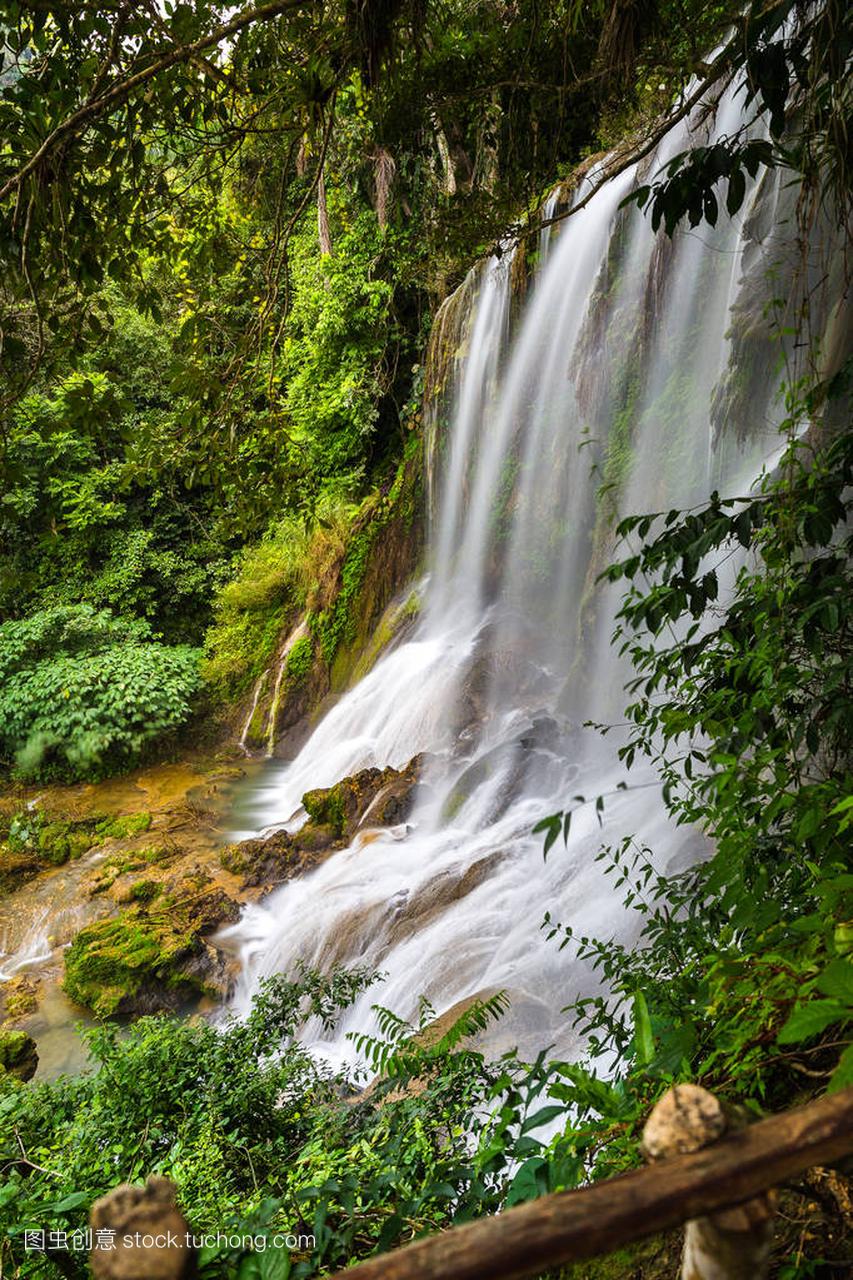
(720,67)
(123,89)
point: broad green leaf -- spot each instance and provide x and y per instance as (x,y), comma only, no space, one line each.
(810,1019)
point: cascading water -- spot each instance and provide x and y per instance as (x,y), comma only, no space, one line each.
(610,394)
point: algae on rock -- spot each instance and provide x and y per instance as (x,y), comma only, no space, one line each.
(18,1054)
(150,958)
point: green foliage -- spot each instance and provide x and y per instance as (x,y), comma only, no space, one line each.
(81,690)
(81,519)
(299,661)
(786,57)
(340,328)
(262,1139)
(742,978)
(270,588)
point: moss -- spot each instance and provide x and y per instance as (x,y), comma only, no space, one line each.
(109,962)
(58,842)
(131,860)
(336,624)
(35,842)
(656,1259)
(325,807)
(18,1054)
(340,809)
(234,858)
(120,828)
(19,998)
(299,661)
(144,890)
(393,620)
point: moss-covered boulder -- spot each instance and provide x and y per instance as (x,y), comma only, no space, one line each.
(18,1054)
(376,797)
(271,860)
(153,956)
(380,797)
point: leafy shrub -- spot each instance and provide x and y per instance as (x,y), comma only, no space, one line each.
(260,1137)
(82,691)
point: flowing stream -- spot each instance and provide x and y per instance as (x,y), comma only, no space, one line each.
(629,379)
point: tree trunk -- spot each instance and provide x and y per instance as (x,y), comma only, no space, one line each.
(449,183)
(323,233)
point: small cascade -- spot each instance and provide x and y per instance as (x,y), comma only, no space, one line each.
(260,684)
(622,384)
(28,952)
(272,716)
(261,726)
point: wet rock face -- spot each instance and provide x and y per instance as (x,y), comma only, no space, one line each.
(372,797)
(16,868)
(378,797)
(153,957)
(18,1054)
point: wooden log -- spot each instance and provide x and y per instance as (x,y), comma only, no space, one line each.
(572,1225)
(733,1243)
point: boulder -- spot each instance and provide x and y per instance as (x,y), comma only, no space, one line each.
(382,797)
(372,797)
(149,1238)
(152,957)
(18,1054)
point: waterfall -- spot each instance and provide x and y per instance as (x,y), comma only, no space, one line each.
(617,388)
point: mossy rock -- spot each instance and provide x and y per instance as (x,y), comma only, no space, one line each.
(35,841)
(384,796)
(272,860)
(131,824)
(19,997)
(18,1054)
(144,890)
(59,842)
(110,963)
(17,866)
(147,960)
(128,860)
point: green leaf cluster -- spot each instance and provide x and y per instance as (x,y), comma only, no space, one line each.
(83,689)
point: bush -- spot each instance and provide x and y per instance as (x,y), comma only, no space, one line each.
(261,1138)
(82,691)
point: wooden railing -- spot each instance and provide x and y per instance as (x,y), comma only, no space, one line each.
(717,1182)
(572,1225)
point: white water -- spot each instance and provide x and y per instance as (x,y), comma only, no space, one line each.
(608,378)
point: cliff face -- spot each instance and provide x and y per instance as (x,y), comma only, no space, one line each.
(353,610)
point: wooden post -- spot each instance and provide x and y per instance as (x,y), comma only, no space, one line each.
(734,1243)
(141,1234)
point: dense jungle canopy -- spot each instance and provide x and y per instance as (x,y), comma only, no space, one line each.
(228,238)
